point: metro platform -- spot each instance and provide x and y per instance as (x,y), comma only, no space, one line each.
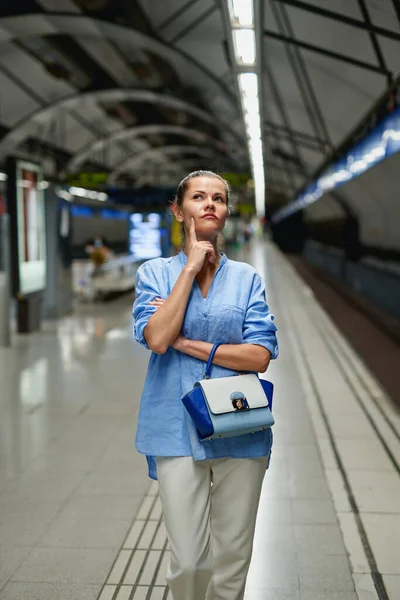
(80,520)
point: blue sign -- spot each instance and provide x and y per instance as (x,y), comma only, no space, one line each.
(82,211)
(381,143)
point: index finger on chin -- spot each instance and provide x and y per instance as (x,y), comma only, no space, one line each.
(192,229)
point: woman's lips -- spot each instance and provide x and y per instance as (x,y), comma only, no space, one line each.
(209,217)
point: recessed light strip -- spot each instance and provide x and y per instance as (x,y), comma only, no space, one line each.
(243,34)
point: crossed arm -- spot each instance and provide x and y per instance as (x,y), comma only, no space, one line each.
(163,330)
(238,357)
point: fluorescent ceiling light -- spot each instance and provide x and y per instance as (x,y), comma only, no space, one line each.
(3,176)
(249,85)
(244,43)
(242,11)
(245,46)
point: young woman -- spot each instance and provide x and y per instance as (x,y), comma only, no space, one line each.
(209,490)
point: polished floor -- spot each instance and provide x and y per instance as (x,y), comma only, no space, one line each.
(80,520)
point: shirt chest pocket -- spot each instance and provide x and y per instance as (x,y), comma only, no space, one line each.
(230,324)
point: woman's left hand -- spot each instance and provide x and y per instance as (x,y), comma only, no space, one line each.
(157,302)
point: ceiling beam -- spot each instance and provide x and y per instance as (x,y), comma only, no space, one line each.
(136,160)
(284,167)
(330,54)
(293,132)
(323,12)
(130,133)
(301,76)
(374,39)
(281,108)
(66,23)
(195,23)
(396,6)
(175,15)
(28,125)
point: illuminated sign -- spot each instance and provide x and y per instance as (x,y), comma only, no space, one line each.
(87,180)
(31,228)
(145,236)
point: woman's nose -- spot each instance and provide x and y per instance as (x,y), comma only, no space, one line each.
(209,201)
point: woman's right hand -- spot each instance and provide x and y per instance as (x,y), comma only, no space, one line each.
(197,252)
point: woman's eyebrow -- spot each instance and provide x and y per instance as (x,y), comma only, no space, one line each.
(214,194)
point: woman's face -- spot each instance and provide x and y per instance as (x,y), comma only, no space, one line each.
(206,201)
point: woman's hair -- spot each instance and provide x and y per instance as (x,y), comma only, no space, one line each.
(184,184)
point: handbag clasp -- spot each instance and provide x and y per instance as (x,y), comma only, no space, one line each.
(239,401)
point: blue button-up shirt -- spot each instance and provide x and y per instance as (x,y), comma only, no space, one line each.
(234,312)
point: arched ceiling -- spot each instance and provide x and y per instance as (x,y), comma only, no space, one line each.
(72,73)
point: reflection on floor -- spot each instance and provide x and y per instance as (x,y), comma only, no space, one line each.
(79,519)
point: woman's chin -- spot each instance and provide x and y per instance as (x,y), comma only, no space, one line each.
(208,229)
(208,236)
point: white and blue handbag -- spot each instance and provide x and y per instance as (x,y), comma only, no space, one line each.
(229,406)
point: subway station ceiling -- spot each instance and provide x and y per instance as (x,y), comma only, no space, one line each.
(146,89)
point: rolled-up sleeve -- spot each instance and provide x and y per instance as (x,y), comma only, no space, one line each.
(146,288)
(259,327)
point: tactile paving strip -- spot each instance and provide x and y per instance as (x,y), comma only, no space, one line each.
(138,572)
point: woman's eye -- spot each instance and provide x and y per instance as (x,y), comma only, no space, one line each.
(220,199)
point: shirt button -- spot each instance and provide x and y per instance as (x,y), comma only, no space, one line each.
(199,365)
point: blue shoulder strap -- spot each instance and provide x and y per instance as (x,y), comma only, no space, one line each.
(210,359)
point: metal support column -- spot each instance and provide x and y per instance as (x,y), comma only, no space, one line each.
(5,330)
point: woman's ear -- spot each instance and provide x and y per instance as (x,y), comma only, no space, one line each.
(177,212)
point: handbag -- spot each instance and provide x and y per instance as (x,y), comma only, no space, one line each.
(229,406)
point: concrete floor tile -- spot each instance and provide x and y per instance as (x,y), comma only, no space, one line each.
(134,482)
(328,457)
(65,565)
(275,487)
(272,510)
(22,530)
(323,572)
(307,468)
(271,594)
(383,532)
(314,512)
(86,532)
(392,585)
(11,557)
(278,571)
(365,587)
(313,488)
(367,455)
(321,539)
(338,490)
(109,506)
(324,595)
(47,486)
(49,591)
(376,491)
(352,540)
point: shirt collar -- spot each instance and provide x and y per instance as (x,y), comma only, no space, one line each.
(183,258)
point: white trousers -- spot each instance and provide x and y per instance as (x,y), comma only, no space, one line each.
(210,528)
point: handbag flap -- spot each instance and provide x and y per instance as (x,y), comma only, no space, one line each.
(233,394)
